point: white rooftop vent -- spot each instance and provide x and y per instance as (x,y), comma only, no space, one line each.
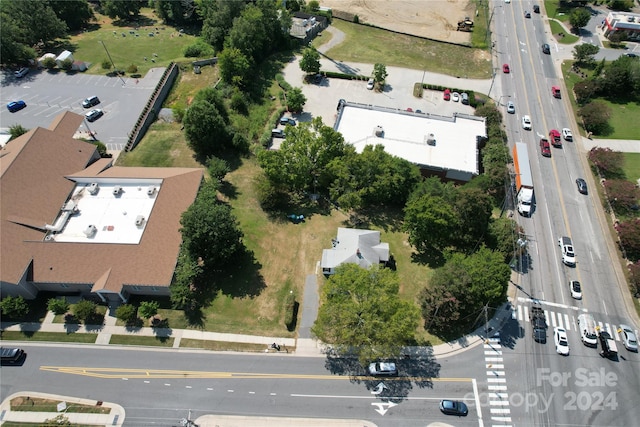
(378,131)
(431,139)
(117,190)
(139,220)
(151,190)
(94,188)
(90,231)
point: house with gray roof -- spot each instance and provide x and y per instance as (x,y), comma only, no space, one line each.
(356,246)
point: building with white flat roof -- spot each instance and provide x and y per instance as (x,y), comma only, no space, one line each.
(439,145)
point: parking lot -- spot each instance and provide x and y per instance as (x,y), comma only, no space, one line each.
(48,94)
(322,98)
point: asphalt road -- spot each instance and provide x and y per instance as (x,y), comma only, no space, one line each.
(546,389)
(158,387)
(48,94)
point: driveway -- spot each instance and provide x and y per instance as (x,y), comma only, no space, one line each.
(48,94)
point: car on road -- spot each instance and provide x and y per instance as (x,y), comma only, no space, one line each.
(526,122)
(506,69)
(576,289)
(454,407)
(629,338)
(11,356)
(410,110)
(554,136)
(546,49)
(555,91)
(383,369)
(631,55)
(455,97)
(90,102)
(21,72)
(94,115)
(370,84)
(527,14)
(536,8)
(14,106)
(446,94)
(287,121)
(341,104)
(582,185)
(568,255)
(511,107)
(560,338)
(566,134)
(545,147)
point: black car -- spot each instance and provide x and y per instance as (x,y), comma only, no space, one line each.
(454,407)
(536,8)
(582,185)
(631,55)
(546,49)
(527,14)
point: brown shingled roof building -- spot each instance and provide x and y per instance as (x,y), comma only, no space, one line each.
(45,182)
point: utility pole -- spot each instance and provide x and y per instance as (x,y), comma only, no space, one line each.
(112,63)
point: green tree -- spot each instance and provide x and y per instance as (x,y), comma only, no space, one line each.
(76,14)
(620,76)
(629,232)
(234,66)
(622,194)
(621,4)
(310,61)
(579,18)
(608,162)
(184,287)
(35,22)
(209,230)
(67,64)
(218,16)
(128,313)
(361,312)
(380,73)
(430,222)
(148,309)
(58,305)
(213,96)
(217,168)
(206,131)
(85,310)
(584,53)
(12,49)
(313,5)
(49,63)
(176,12)
(123,9)
(14,307)
(439,306)
(595,116)
(586,90)
(503,236)
(491,113)
(473,207)
(295,100)
(17,130)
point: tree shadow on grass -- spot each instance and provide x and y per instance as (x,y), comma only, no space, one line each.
(241,279)
(431,258)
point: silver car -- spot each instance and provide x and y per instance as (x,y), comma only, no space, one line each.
(629,338)
(511,107)
(387,369)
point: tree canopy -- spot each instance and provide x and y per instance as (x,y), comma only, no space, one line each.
(584,53)
(579,18)
(218,16)
(361,312)
(123,9)
(310,61)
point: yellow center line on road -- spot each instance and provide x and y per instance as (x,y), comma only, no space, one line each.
(110,373)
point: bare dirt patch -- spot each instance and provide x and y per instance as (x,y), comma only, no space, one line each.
(434,19)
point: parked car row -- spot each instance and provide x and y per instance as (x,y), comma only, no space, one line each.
(455,96)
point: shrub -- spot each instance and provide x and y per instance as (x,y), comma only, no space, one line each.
(49,63)
(198,49)
(239,103)
(217,168)
(106,64)
(127,313)
(67,64)
(85,310)
(132,69)
(148,309)
(14,307)
(240,143)
(58,305)
(178,113)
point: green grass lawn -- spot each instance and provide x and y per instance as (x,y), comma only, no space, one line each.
(142,340)
(556,10)
(165,46)
(48,336)
(566,37)
(631,166)
(366,44)
(624,120)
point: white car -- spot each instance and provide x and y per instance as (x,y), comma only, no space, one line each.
(576,289)
(629,338)
(567,135)
(511,107)
(526,122)
(387,369)
(455,97)
(370,84)
(21,72)
(560,338)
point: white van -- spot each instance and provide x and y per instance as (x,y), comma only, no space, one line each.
(587,327)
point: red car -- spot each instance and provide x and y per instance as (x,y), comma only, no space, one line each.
(545,148)
(447,95)
(555,91)
(556,140)
(505,69)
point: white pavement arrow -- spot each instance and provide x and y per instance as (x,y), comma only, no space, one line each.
(381,407)
(379,388)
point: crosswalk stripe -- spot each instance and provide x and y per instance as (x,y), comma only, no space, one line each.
(553,319)
(494,366)
(560,323)
(497,387)
(600,325)
(520,312)
(503,419)
(493,353)
(496,346)
(566,322)
(616,334)
(500,410)
(526,313)
(495,373)
(500,395)
(608,328)
(499,403)
(496,380)
(493,359)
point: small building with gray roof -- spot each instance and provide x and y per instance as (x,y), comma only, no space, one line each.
(355,246)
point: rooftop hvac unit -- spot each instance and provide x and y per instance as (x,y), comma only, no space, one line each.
(90,231)
(151,190)
(431,139)
(117,190)
(139,220)
(378,131)
(94,188)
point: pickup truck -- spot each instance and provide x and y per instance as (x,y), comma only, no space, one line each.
(539,323)
(568,255)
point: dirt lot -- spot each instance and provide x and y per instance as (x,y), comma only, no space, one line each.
(435,19)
